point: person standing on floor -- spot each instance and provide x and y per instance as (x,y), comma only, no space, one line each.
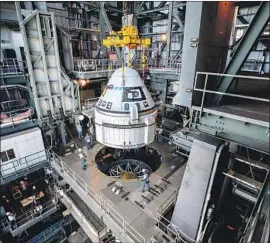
(160,135)
(11,219)
(83,159)
(145,181)
(34,192)
(88,139)
(24,185)
(91,130)
(79,130)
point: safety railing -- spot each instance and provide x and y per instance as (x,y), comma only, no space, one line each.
(47,234)
(95,65)
(12,66)
(99,201)
(204,90)
(31,214)
(11,118)
(169,229)
(158,64)
(61,193)
(17,165)
(88,104)
(106,65)
(13,104)
(172,230)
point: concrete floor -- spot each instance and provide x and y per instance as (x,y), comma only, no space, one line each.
(142,219)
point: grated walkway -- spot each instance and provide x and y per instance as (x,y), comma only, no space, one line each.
(140,209)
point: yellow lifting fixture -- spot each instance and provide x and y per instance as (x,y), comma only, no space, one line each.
(128,37)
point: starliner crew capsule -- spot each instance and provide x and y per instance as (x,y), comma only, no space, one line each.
(125,115)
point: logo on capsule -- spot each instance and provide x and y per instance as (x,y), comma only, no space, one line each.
(111,87)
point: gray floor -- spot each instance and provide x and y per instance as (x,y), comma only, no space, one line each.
(142,219)
(256,111)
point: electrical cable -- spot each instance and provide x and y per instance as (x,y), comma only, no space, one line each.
(205,227)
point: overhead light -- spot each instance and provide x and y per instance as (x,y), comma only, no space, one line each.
(83,82)
(81,117)
(164,37)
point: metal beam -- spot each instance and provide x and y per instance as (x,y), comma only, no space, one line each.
(140,6)
(169,31)
(44,61)
(162,4)
(107,21)
(251,35)
(112,9)
(242,19)
(18,11)
(153,10)
(159,9)
(179,52)
(178,20)
(162,47)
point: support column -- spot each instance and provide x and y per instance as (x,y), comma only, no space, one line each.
(102,30)
(129,55)
(206,38)
(109,27)
(169,31)
(256,27)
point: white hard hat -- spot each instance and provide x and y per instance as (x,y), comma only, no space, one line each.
(34,187)
(143,170)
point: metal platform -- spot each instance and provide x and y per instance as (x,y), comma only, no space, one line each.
(141,210)
(102,68)
(259,112)
(232,120)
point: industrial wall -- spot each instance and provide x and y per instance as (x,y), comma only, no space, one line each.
(10,40)
(21,150)
(24,144)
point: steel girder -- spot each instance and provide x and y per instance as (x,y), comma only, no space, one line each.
(251,35)
(52,88)
(107,22)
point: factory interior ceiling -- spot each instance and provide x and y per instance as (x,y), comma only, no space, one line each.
(135,121)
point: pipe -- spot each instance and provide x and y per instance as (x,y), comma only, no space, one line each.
(209,190)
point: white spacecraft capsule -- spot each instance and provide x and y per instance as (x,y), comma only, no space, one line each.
(125,114)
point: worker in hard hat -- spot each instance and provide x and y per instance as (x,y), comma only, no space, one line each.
(34,191)
(159,132)
(11,219)
(89,140)
(145,180)
(83,158)
(79,130)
